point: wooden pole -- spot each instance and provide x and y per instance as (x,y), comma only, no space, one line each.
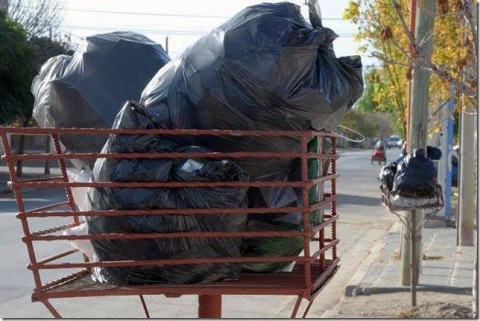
(424,27)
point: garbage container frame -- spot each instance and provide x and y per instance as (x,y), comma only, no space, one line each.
(310,275)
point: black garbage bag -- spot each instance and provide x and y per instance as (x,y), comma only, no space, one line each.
(387,176)
(264,69)
(416,176)
(434,153)
(278,198)
(180,170)
(106,71)
(51,70)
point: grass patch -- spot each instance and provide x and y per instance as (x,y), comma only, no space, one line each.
(410,314)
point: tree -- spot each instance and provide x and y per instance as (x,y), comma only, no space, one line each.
(376,99)
(361,122)
(383,30)
(20,61)
(47,48)
(17,69)
(39,17)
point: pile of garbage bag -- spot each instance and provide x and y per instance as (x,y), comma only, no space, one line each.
(88,89)
(150,170)
(266,68)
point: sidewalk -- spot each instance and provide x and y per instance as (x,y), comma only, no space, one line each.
(445,285)
(445,289)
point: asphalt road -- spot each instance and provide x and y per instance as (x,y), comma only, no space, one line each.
(362,223)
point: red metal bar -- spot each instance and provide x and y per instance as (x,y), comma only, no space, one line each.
(33,184)
(63,169)
(57,256)
(306,213)
(172,262)
(171,155)
(323,249)
(209,306)
(296,307)
(186,211)
(117,236)
(334,193)
(166,132)
(51,309)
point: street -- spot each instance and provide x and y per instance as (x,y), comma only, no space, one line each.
(363,222)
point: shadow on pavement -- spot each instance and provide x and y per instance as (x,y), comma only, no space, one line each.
(420,288)
(360,200)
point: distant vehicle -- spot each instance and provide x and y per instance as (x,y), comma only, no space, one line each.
(379,153)
(400,143)
(393,141)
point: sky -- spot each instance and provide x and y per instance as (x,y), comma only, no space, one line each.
(185,21)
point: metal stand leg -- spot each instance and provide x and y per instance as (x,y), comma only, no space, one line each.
(295,309)
(144,305)
(307,309)
(209,306)
(51,309)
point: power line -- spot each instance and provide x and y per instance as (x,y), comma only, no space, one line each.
(167,14)
(160,31)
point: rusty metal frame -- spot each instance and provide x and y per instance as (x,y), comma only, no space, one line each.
(310,275)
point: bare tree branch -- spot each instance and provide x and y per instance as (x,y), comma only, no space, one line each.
(388,61)
(425,63)
(466,90)
(38,17)
(408,33)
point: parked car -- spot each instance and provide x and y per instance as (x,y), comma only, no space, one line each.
(393,141)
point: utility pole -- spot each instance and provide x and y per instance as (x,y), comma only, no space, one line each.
(411,244)
(466,211)
(467,153)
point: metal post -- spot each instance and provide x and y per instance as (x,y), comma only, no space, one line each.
(413,258)
(209,306)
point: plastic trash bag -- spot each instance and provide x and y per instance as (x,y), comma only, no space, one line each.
(283,197)
(106,71)
(416,176)
(264,69)
(42,90)
(180,170)
(434,153)
(387,176)
(79,193)
(84,246)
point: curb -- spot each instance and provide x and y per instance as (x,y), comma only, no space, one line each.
(353,287)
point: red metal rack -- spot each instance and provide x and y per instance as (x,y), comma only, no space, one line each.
(311,273)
